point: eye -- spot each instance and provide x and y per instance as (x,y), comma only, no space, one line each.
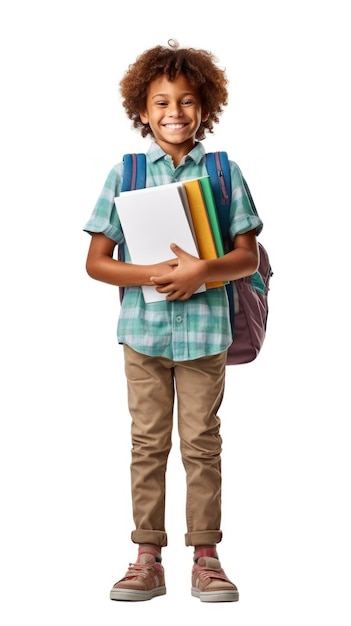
(161,103)
(187,102)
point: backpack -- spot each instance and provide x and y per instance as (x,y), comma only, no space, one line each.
(248,307)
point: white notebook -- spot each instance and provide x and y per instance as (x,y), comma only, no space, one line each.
(152,218)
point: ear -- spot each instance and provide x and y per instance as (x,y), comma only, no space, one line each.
(204,115)
(144,117)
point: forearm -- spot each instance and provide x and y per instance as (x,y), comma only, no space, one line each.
(101,265)
(119,273)
(236,264)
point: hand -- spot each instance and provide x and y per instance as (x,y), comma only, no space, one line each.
(184,279)
(164,267)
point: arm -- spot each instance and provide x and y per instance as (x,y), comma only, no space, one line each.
(190,273)
(242,261)
(101,265)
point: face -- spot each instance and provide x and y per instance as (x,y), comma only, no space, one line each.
(174,113)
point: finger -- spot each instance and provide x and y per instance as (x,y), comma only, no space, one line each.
(158,280)
(176,249)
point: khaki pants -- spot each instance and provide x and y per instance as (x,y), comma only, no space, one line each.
(199,385)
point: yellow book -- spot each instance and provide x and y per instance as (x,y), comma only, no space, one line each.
(202,227)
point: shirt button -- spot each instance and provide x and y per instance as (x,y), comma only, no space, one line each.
(179,318)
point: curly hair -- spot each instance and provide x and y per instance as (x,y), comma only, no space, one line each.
(199,67)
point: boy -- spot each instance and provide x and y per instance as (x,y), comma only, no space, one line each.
(178,345)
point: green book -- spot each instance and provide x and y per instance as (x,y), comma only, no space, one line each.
(212,213)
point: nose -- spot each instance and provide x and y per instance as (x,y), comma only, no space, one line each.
(175,110)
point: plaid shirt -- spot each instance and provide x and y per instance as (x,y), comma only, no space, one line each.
(179,330)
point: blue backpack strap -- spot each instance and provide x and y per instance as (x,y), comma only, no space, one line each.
(134,177)
(218,169)
(134,171)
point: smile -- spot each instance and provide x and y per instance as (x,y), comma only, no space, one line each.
(174,126)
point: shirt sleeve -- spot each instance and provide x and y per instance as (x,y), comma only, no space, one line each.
(104,218)
(243,213)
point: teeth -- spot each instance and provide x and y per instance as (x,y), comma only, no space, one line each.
(174,126)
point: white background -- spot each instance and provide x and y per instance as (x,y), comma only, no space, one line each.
(65,504)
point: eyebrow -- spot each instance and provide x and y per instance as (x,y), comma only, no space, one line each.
(165,95)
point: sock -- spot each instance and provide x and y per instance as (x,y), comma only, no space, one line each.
(200,551)
(148,548)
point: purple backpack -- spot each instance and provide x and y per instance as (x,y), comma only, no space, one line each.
(248,307)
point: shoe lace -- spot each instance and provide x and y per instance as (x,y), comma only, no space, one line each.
(138,569)
(208,572)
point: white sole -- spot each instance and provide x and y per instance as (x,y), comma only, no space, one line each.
(215,596)
(130,595)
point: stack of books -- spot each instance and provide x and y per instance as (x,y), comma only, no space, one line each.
(183,212)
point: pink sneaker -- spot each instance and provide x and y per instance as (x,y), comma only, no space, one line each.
(144,580)
(210,583)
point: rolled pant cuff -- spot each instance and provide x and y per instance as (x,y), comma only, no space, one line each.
(203,538)
(156,537)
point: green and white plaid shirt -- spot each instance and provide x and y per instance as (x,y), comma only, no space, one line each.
(179,330)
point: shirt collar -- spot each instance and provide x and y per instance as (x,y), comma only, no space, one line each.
(196,154)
